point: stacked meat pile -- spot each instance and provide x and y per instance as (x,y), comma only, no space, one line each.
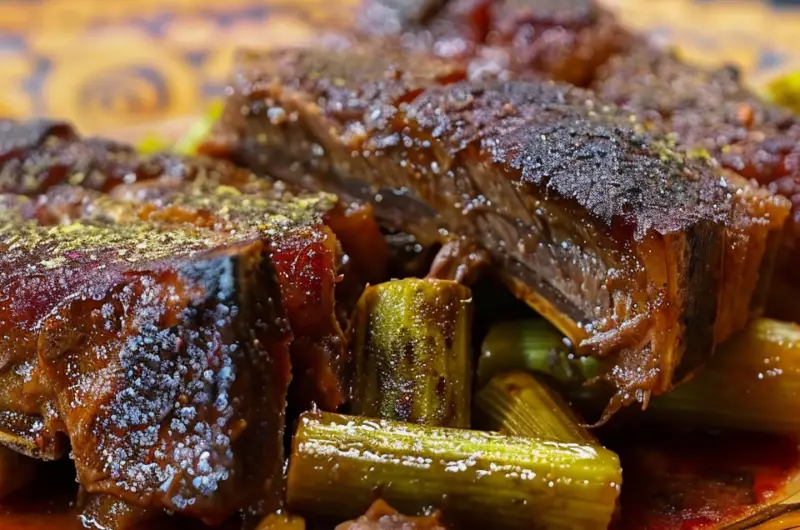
(154,308)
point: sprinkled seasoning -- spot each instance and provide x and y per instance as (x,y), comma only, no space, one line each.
(164,351)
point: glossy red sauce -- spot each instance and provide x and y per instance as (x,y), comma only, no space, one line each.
(699,481)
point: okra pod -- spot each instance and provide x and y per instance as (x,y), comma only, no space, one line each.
(752,383)
(411,348)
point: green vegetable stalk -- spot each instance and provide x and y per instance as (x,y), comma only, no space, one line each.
(751,383)
(340,464)
(522,404)
(197,133)
(785,90)
(412,354)
(532,345)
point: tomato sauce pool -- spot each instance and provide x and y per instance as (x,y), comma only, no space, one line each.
(703,481)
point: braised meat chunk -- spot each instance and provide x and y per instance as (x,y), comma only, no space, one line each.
(304,251)
(156,305)
(324,250)
(17,138)
(163,354)
(606,231)
(35,156)
(711,111)
(563,40)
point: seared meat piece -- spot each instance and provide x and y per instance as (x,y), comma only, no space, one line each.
(164,355)
(407,257)
(708,109)
(752,246)
(105,511)
(295,238)
(711,111)
(395,16)
(218,195)
(610,234)
(16,138)
(37,155)
(564,40)
(304,251)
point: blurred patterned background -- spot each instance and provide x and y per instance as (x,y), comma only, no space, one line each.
(116,64)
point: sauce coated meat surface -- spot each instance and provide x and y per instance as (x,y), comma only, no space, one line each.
(607,231)
(145,348)
(562,40)
(708,112)
(150,320)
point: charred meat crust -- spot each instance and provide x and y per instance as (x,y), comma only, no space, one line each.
(195,191)
(539,174)
(542,132)
(166,355)
(708,109)
(304,251)
(18,138)
(703,108)
(34,156)
(711,111)
(133,301)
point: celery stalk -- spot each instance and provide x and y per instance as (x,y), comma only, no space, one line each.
(411,348)
(340,464)
(522,404)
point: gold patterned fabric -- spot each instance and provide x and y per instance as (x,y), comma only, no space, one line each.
(109,65)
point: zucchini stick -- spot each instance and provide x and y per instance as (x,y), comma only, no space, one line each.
(411,343)
(751,383)
(522,404)
(340,464)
